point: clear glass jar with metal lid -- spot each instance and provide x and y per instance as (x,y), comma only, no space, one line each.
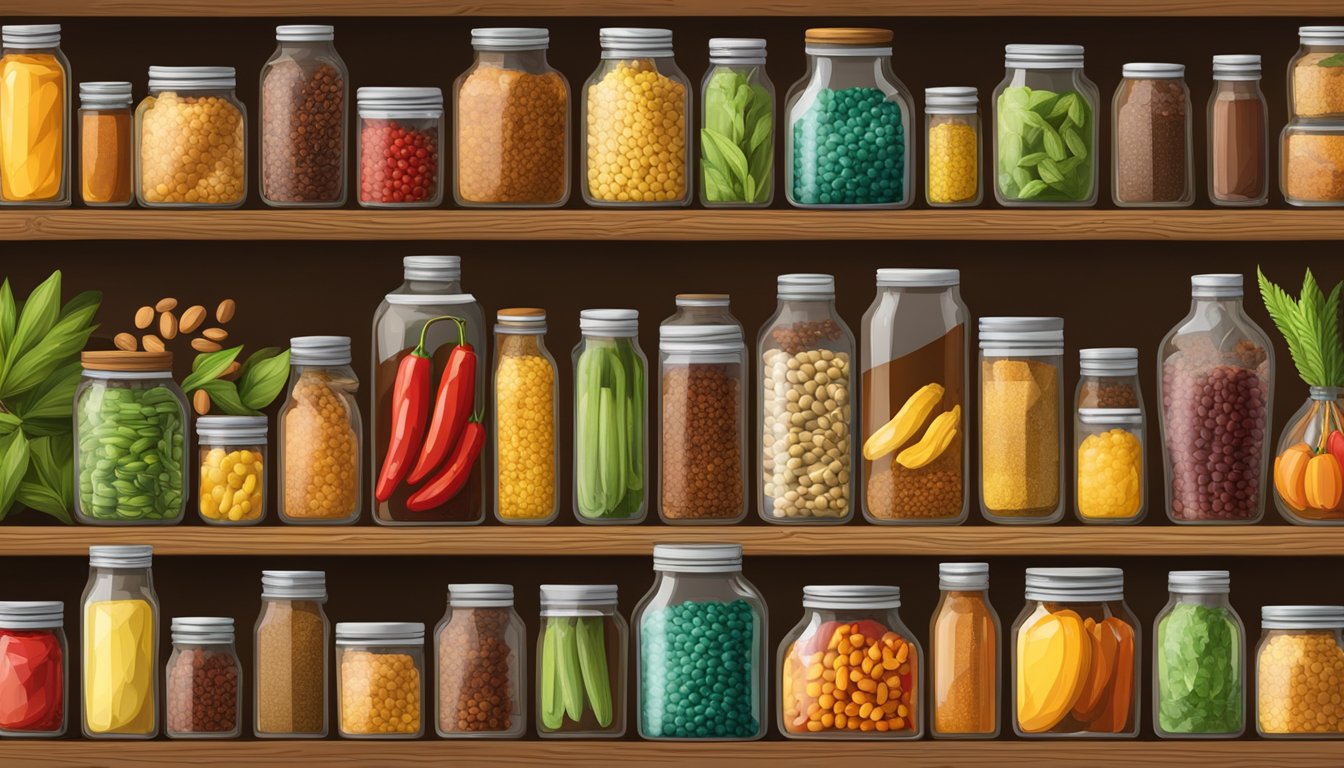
(481,662)
(1152,152)
(1316,74)
(737,126)
(1110,474)
(1045,128)
(399,154)
(1022,419)
(305,119)
(1108,377)
(511,125)
(1075,656)
(915,379)
(106,138)
(120,625)
(952,137)
(693,684)
(965,676)
(291,655)
(380,679)
(1311,162)
(848,139)
(232,481)
(1199,660)
(203,680)
(1238,136)
(611,419)
(1299,680)
(527,420)
(191,109)
(32,639)
(582,657)
(702,309)
(35,107)
(321,432)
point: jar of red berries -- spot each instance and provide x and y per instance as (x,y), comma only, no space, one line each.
(400,162)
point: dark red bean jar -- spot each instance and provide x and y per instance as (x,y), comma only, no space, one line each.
(1217,373)
(400,162)
(204,694)
(33,669)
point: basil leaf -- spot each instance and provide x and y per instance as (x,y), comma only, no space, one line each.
(1332,61)
(717,186)
(8,423)
(13,466)
(1032,189)
(39,313)
(208,367)
(1030,161)
(1063,106)
(1049,173)
(1021,177)
(264,353)
(1078,111)
(1073,141)
(48,485)
(262,382)
(749,188)
(53,397)
(1054,146)
(59,343)
(224,394)
(734,160)
(1041,101)
(1018,97)
(9,315)
(82,301)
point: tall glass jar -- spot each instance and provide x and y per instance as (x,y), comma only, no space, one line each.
(305,118)
(953,142)
(848,139)
(511,124)
(481,662)
(399,153)
(692,684)
(1215,387)
(1238,137)
(702,309)
(805,416)
(915,379)
(1022,419)
(121,644)
(1110,472)
(1311,163)
(35,109)
(123,480)
(232,480)
(290,656)
(737,127)
(380,679)
(431,316)
(1199,660)
(203,681)
(321,432)
(1152,152)
(1299,679)
(582,649)
(964,643)
(32,639)
(611,419)
(527,418)
(106,136)
(191,110)
(1075,655)
(1045,134)
(703,412)
(1315,76)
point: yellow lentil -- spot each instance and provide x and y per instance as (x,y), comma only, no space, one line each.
(1300,685)
(953,176)
(380,693)
(637,135)
(232,486)
(321,451)
(525,416)
(1110,474)
(191,150)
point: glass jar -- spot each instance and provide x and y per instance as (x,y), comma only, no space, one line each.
(125,480)
(511,124)
(952,139)
(1045,135)
(291,656)
(320,434)
(121,644)
(482,664)
(611,449)
(915,377)
(702,309)
(964,640)
(737,127)
(714,693)
(428,316)
(1110,480)
(204,688)
(1152,152)
(34,117)
(191,109)
(1238,133)
(1199,660)
(398,154)
(703,412)
(582,649)
(35,700)
(1308,481)
(380,679)
(1299,679)
(527,418)
(1076,656)
(1311,165)
(1108,377)
(1022,419)
(1216,352)
(803,342)
(849,143)
(637,105)
(105,141)
(232,489)
(305,117)
(1315,76)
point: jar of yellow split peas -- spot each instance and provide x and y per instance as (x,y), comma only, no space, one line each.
(232,485)
(191,140)
(380,679)
(1299,680)
(527,420)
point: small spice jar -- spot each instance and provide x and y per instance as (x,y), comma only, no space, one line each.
(400,160)
(34,117)
(1108,377)
(205,696)
(964,641)
(1311,164)
(582,649)
(105,141)
(1316,74)
(611,419)
(305,114)
(232,488)
(1152,155)
(481,653)
(702,309)
(1110,481)
(120,664)
(527,418)
(1238,133)
(1199,660)
(1299,680)
(191,110)
(952,141)
(737,127)
(380,679)
(291,643)
(320,434)
(850,669)
(34,670)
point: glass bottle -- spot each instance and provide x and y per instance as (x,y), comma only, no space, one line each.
(1304,494)
(1315,81)
(611,449)
(702,309)
(952,137)
(233,456)
(203,681)
(191,109)
(305,119)
(105,141)
(121,645)
(582,636)
(964,642)
(481,663)
(320,434)
(737,128)
(35,109)
(1152,153)
(1238,138)
(527,419)
(380,679)
(291,656)
(32,638)
(1299,667)
(399,152)
(1199,660)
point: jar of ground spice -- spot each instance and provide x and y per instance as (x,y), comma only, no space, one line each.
(191,140)
(105,140)
(1311,163)
(291,642)
(481,652)
(380,679)
(1152,158)
(1316,74)
(305,111)
(320,434)
(34,670)
(964,640)
(1238,133)
(400,156)
(204,698)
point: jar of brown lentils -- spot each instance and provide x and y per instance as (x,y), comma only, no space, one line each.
(481,656)
(204,695)
(1108,377)
(305,114)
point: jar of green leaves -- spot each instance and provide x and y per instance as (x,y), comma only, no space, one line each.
(1199,661)
(737,132)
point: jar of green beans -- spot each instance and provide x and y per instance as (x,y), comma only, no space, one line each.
(611,419)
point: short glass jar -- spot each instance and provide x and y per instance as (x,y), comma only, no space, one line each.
(1299,680)
(34,670)
(1199,660)
(232,487)
(1238,137)
(106,138)
(1316,74)
(191,109)
(34,117)
(291,655)
(737,127)
(527,419)
(582,649)
(611,448)
(120,625)
(480,648)
(399,154)
(1152,152)
(965,677)
(1108,377)
(380,679)
(1303,493)
(321,432)
(1110,471)
(204,681)
(1311,163)
(702,309)
(305,119)
(953,142)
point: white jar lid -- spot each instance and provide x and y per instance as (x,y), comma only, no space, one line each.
(1108,361)
(32,614)
(951,100)
(1113,417)
(1075,585)
(1199,582)
(30,35)
(850,596)
(437,268)
(967,576)
(319,350)
(105,94)
(121,555)
(1302,617)
(697,558)
(202,630)
(702,300)
(918,278)
(1147,70)
(1223,286)
(510,38)
(639,42)
(805,286)
(1034,56)
(384,98)
(736,50)
(1314,35)
(305,33)
(1039,334)
(232,430)
(380,633)
(294,585)
(1236,66)
(192,78)
(609,322)
(578,594)
(480,595)
(700,338)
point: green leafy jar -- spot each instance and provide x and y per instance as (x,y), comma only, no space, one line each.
(1199,660)
(737,131)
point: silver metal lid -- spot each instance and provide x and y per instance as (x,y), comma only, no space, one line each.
(319,350)
(702,300)
(1044,335)
(963,576)
(305,33)
(232,430)
(1314,35)
(380,633)
(1075,585)
(203,630)
(121,555)
(640,42)
(951,100)
(480,595)
(1147,70)
(918,278)
(693,338)
(192,78)
(1302,617)
(1123,417)
(609,322)
(437,268)
(105,94)
(385,98)
(1216,286)
(294,585)
(32,614)
(736,50)
(578,594)
(1034,56)
(697,558)
(851,596)
(1199,582)
(1238,66)
(1108,361)
(805,286)
(510,38)
(30,35)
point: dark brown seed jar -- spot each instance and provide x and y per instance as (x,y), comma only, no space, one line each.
(203,698)
(480,659)
(304,115)
(1151,155)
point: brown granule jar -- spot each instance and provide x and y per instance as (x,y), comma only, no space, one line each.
(320,434)
(305,98)
(932,491)
(203,698)
(480,661)
(1152,148)
(291,656)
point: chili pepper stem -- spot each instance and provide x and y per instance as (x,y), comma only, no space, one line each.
(419,350)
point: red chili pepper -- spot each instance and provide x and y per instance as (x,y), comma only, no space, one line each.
(453,476)
(410,406)
(452,407)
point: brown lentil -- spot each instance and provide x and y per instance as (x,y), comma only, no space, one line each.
(512,135)
(302,133)
(320,449)
(1102,392)
(291,668)
(476,685)
(203,691)
(932,491)
(702,446)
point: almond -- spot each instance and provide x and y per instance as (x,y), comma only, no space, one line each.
(200,401)
(231,372)
(224,312)
(215,334)
(151,343)
(204,345)
(166,304)
(167,325)
(143,317)
(191,319)
(125,342)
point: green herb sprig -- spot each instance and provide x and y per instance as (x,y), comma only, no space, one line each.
(736,147)
(1311,326)
(258,383)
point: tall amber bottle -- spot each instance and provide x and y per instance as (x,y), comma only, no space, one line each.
(964,645)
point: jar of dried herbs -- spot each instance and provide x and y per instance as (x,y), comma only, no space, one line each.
(1199,660)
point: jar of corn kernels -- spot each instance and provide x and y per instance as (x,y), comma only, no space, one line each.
(232,489)
(952,136)
(380,679)
(1299,680)
(320,434)
(191,140)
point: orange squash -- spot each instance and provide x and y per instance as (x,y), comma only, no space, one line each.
(1097,681)
(1053,656)
(1324,482)
(1120,705)
(1290,475)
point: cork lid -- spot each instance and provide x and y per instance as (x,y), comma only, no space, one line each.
(848,36)
(117,360)
(521,313)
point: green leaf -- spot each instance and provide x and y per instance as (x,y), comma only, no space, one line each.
(1079,111)
(13,466)
(1286,314)
(86,300)
(1018,97)
(53,397)
(1073,141)
(265,353)
(224,394)
(1042,101)
(9,422)
(1030,161)
(48,486)
(735,161)
(1054,146)
(760,134)
(717,186)
(1334,338)
(209,366)
(1332,61)
(1049,172)
(39,313)
(9,316)
(1021,177)
(61,343)
(262,382)
(1063,106)
(1032,189)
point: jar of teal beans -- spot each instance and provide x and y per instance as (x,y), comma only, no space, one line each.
(701,633)
(130,440)
(849,142)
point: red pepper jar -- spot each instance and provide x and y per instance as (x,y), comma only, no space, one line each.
(33,669)
(400,158)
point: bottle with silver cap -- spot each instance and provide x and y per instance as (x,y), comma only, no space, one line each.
(321,432)
(106,137)
(954,142)
(737,132)
(582,651)
(291,656)
(965,638)
(1110,438)
(191,110)
(380,679)
(1215,384)
(32,638)
(120,626)
(232,447)
(611,419)
(1199,660)
(1238,138)
(400,152)
(34,117)
(1299,668)
(204,680)
(1075,656)
(527,420)
(480,647)
(702,309)
(1152,154)
(693,683)
(305,119)
(1315,80)
(914,410)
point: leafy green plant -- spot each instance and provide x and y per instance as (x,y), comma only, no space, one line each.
(257,383)
(1045,139)
(736,147)
(1311,326)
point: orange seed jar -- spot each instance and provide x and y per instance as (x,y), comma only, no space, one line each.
(320,434)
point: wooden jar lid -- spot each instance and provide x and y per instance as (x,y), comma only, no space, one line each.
(849,36)
(117,360)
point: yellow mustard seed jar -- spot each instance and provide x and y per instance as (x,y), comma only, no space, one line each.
(191,140)
(952,137)
(527,398)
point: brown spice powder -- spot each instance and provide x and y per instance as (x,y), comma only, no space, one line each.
(965,655)
(291,668)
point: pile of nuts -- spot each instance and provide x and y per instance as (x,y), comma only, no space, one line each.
(160,317)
